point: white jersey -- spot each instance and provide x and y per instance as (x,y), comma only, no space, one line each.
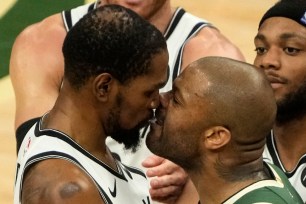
(128,185)
(297,176)
(182,27)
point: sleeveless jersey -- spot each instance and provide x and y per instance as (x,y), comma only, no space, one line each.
(297,176)
(276,190)
(128,185)
(182,27)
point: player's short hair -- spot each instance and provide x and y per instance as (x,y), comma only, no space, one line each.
(110,39)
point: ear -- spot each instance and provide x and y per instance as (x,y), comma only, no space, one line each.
(216,137)
(103,85)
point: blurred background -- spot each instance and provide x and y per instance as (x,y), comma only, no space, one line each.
(236,19)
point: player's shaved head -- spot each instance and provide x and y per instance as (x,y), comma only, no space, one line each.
(220,110)
(240,97)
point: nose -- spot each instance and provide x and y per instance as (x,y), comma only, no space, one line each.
(155,101)
(165,98)
(268,60)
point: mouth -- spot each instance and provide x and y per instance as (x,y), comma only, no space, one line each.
(273,79)
(133,2)
(160,116)
(276,81)
(158,120)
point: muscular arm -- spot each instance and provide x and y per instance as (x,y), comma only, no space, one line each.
(58,181)
(209,42)
(36,68)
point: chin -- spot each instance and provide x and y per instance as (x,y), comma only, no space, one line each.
(152,142)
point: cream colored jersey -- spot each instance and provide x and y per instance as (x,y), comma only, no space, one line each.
(128,185)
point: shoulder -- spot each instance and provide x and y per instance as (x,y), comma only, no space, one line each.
(49,31)
(38,45)
(36,64)
(209,41)
(214,42)
(58,181)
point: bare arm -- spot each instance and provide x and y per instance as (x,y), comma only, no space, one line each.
(58,181)
(209,42)
(36,68)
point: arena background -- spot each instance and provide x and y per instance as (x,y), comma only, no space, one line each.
(237,19)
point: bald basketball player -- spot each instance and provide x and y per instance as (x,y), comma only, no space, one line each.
(214,124)
(37,54)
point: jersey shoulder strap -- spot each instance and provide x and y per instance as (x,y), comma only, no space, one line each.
(71,17)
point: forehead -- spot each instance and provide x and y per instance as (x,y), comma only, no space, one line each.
(282,28)
(192,83)
(157,75)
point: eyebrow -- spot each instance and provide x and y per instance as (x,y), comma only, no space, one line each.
(260,37)
(286,36)
(162,84)
(178,91)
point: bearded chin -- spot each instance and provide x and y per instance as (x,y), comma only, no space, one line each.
(292,107)
(129,138)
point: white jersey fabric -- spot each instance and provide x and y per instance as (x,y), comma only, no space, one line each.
(128,185)
(297,176)
(181,28)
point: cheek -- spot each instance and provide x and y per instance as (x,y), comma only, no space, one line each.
(174,124)
(297,75)
(257,61)
(132,114)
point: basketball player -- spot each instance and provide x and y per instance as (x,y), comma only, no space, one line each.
(36,53)
(214,124)
(110,87)
(281,53)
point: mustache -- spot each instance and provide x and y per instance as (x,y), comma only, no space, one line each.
(160,114)
(275,78)
(146,121)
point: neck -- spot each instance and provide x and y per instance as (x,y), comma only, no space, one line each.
(215,188)
(161,19)
(290,140)
(80,121)
(217,191)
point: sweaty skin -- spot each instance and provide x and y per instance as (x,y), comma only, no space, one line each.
(36,71)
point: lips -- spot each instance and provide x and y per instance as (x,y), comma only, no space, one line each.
(160,116)
(273,79)
(276,81)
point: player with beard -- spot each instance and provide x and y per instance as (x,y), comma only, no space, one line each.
(110,87)
(281,53)
(214,124)
(37,50)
